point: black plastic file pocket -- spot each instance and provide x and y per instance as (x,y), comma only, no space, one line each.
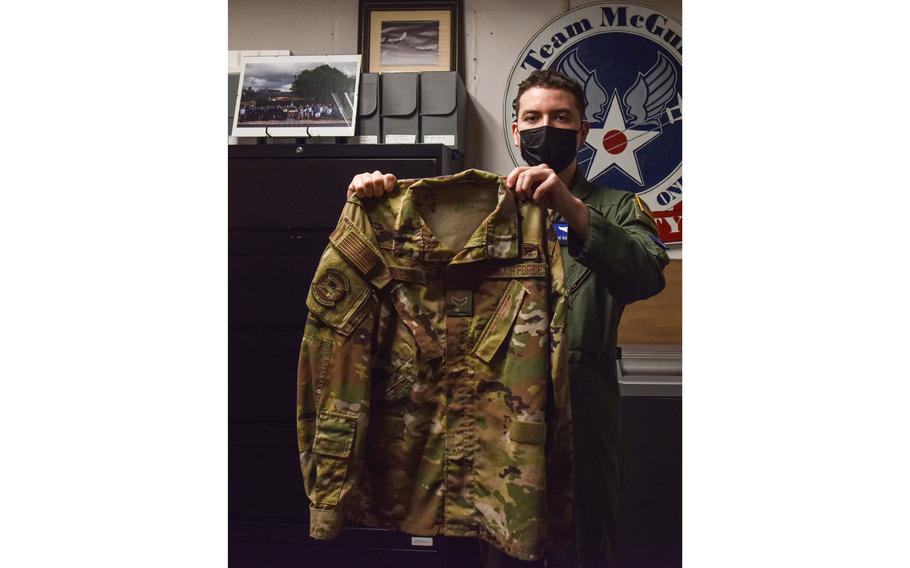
(499,326)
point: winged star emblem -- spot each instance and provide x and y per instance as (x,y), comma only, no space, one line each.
(624,130)
(647,99)
(595,94)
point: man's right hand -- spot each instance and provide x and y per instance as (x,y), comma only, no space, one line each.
(371,184)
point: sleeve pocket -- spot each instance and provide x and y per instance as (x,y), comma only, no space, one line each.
(335,435)
(497,329)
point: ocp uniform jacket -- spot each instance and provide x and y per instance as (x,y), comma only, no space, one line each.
(432,394)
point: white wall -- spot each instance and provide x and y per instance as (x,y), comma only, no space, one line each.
(495,32)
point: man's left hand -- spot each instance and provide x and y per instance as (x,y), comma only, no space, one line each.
(542,185)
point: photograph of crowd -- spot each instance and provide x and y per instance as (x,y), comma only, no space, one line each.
(297,92)
(280,110)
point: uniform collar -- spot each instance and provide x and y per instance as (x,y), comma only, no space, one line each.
(580,187)
(495,237)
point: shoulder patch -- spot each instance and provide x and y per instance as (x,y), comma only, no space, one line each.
(331,287)
(352,244)
(644,207)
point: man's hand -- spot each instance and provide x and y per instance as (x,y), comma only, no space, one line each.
(541,185)
(371,184)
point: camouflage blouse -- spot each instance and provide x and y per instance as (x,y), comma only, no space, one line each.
(432,395)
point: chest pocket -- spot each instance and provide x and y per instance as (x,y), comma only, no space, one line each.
(499,326)
(398,365)
(418,319)
(576,273)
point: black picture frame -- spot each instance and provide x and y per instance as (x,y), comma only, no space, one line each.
(373,11)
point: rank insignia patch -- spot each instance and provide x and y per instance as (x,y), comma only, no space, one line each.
(460,303)
(331,287)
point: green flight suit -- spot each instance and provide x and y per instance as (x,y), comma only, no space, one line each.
(619,262)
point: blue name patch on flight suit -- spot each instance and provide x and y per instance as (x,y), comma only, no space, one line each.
(562,232)
(659,242)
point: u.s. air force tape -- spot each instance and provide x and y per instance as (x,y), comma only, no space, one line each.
(523,270)
(562,232)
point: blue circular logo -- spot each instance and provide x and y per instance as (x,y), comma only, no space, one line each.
(633,107)
(628,60)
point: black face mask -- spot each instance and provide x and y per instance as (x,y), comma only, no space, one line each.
(548,145)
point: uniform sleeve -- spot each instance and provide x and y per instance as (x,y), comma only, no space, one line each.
(623,249)
(559,417)
(333,376)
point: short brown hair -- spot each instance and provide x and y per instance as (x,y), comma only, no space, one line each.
(550,79)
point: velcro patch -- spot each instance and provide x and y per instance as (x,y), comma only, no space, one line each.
(391,427)
(414,275)
(529,250)
(562,232)
(528,432)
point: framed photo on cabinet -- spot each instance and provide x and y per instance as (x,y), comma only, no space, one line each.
(297,96)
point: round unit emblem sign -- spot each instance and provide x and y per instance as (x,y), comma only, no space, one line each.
(628,60)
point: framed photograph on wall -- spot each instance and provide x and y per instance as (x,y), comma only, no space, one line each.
(297,96)
(410,36)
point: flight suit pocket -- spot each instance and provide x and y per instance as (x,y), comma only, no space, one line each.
(576,278)
(497,329)
(332,448)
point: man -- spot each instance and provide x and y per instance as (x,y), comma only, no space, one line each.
(612,257)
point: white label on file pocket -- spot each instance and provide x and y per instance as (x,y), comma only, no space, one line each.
(421,541)
(447,139)
(400,138)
